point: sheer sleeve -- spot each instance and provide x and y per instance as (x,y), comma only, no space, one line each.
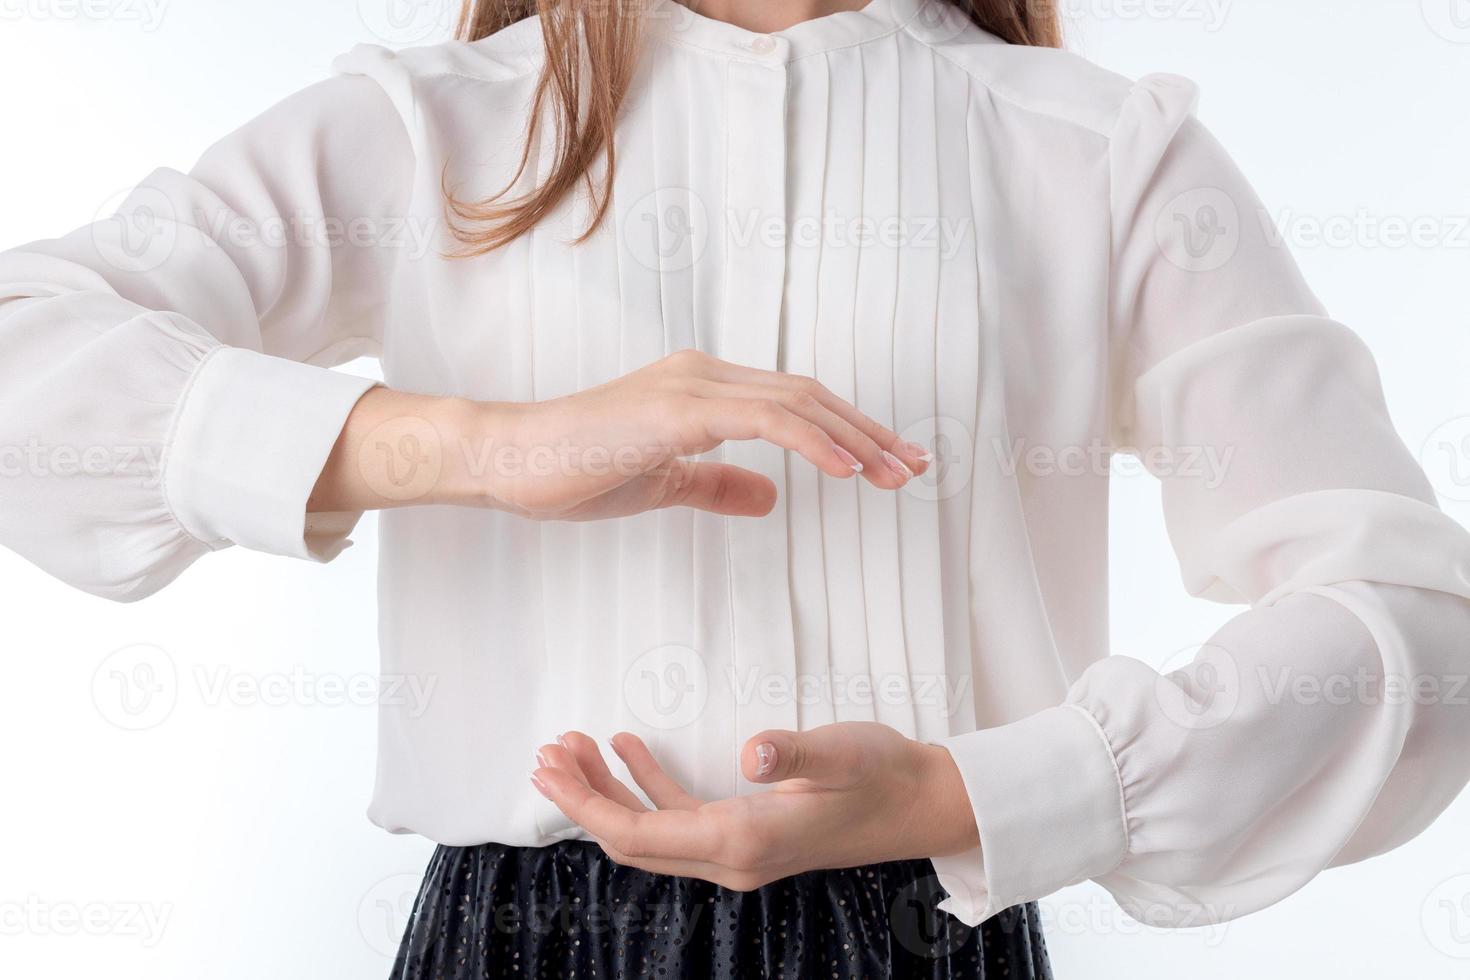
(164,382)
(1326,723)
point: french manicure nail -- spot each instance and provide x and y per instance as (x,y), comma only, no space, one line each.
(765,759)
(540,786)
(562,741)
(896,465)
(541,758)
(847,458)
(916,451)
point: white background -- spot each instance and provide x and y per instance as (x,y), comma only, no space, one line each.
(227,838)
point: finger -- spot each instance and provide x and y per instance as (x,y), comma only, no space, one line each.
(867,454)
(827,756)
(716,487)
(768,419)
(662,789)
(664,834)
(557,757)
(594,767)
(913,455)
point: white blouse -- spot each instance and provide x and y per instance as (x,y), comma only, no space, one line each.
(1007,253)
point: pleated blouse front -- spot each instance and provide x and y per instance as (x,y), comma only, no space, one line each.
(1007,254)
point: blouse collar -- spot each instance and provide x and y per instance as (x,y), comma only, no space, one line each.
(681,25)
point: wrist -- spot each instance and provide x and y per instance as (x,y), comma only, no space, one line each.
(945,801)
(476,436)
(399,449)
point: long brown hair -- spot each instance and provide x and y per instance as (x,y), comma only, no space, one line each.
(591,51)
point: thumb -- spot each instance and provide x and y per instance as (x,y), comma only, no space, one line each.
(830,756)
(721,489)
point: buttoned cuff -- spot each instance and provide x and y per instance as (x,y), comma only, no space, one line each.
(1048,803)
(249,440)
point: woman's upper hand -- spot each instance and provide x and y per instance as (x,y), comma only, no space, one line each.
(624,447)
(842,795)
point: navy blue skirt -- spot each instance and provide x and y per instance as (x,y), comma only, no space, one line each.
(568,912)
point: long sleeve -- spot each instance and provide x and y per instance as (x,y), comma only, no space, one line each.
(164,382)
(1327,723)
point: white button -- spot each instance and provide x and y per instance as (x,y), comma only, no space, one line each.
(765,44)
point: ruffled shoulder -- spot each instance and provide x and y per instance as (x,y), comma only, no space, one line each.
(1148,120)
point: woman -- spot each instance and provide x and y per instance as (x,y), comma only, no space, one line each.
(916,275)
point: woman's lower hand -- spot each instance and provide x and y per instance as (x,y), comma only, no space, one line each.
(611,451)
(842,795)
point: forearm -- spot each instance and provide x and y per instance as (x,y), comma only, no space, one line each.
(399,449)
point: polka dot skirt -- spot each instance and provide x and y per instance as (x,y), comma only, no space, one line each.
(568,912)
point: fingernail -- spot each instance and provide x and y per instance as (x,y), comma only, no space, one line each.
(562,741)
(847,458)
(541,758)
(916,451)
(765,759)
(540,786)
(896,465)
